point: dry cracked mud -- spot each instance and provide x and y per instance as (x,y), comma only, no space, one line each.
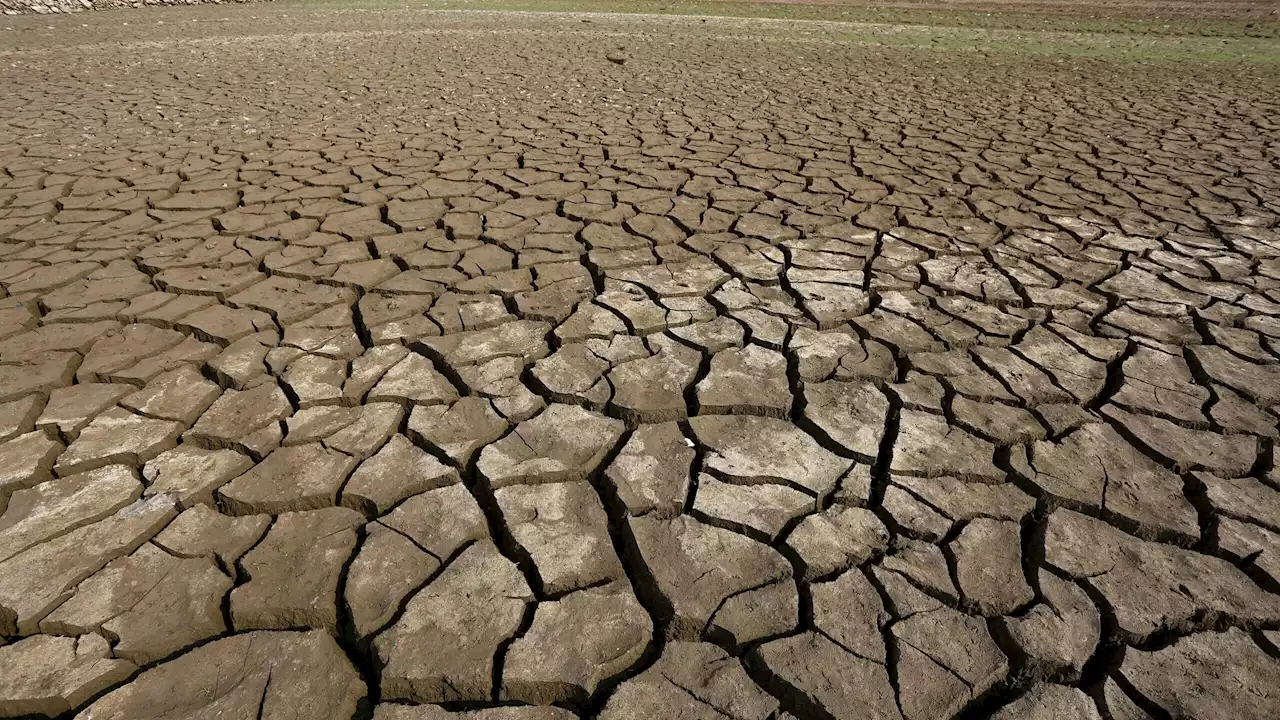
(410,365)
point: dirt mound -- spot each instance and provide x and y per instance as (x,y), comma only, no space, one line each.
(50,7)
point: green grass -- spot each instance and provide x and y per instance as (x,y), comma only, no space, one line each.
(1000,34)
(1057,43)
(1225,46)
(835,12)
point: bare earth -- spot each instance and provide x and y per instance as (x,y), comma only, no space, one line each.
(385,363)
(1127,8)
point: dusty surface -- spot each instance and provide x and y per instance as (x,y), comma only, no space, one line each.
(413,365)
(53,7)
(1127,8)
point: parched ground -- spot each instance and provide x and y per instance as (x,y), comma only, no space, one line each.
(382,362)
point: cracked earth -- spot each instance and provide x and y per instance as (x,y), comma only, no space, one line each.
(413,366)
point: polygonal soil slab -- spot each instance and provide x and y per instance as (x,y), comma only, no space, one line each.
(716,579)
(748,450)
(274,675)
(471,608)
(564,442)
(574,644)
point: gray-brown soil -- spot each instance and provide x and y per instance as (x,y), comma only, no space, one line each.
(382,363)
